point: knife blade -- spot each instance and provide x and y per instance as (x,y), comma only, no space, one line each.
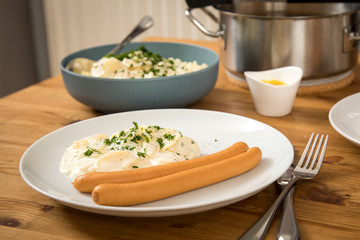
(288,227)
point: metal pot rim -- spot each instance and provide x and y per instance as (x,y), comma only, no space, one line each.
(283,10)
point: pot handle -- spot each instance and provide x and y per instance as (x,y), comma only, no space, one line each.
(202,28)
(354,36)
(350,39)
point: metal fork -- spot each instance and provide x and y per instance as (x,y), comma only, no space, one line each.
(302,171)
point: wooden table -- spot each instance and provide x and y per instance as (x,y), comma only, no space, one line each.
(327,207)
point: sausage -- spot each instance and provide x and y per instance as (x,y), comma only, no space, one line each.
(123,194)
(87,182)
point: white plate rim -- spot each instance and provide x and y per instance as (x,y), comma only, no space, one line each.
(335,122)
(163,210)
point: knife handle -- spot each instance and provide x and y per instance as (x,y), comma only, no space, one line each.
(288,227)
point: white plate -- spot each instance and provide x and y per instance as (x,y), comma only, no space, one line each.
(214,131)
(344,116)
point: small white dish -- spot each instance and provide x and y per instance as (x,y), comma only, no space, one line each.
(344,117)
(274,100)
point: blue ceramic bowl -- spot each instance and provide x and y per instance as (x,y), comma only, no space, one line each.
(116,95)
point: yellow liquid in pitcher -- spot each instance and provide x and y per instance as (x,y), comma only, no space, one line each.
(274,82)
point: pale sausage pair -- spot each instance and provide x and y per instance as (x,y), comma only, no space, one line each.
(137,186)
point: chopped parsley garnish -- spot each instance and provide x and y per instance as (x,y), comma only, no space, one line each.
(154,70)
(107,142)
(136,138)
(136,126)
(146,138)
(141,154)
(160,142)
(169,136)
(148,131)
(127,148)
(90,151)
(114,139)
(134,167)
(156,127)
(141,53)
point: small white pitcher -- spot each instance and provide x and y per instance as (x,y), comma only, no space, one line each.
(274,100)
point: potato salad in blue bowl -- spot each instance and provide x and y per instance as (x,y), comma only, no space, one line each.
(143,75)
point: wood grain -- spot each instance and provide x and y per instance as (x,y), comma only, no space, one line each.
(327,207)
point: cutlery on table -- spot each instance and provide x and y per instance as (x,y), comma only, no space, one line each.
(288,227)
(307,170)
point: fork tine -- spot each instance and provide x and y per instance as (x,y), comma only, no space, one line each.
(317,152)
(311,151)
(322,155)
(305,151)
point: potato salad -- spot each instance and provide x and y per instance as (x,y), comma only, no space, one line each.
(139,63)
(136,147)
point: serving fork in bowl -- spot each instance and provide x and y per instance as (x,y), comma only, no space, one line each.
(304,170)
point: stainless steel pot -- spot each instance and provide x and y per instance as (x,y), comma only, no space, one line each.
(321,38)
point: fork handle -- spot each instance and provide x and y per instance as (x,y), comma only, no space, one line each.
(288,227)
(258,231)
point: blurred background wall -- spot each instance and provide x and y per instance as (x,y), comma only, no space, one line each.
(23,50)
(37,34)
